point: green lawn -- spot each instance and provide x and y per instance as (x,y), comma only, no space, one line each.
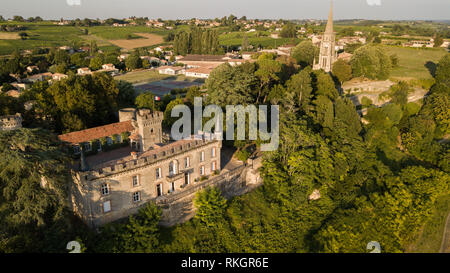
(430,238)
(412,61)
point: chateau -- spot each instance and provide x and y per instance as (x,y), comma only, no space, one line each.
(12,122)
(327,46)
(124,165)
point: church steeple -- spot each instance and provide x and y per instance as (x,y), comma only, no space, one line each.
(327,54)
(330,29)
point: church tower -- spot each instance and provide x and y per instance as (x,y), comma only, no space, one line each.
(328,46)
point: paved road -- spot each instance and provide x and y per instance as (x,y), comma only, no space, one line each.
(445,246)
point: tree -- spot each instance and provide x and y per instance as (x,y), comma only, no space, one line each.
(168,119)
(268,73)
(23,35)
(210,206)
(146,100)
(371,62)
(33,189)
(127,94)
(305,53)
(96,63)
(438,41)
(288,31)
(301,86)
(245,44)
(141,233)
(229,85)
(133,62)
(399,93)
(324,85)
(342,70)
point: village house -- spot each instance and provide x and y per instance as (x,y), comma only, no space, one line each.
(84,71)
(32,69)
(123,56)
(59,76)
(39,77)
(171,70)
(109,68)
(124,165)
(199,72)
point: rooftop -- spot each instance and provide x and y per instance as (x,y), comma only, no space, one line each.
(97,132)
(204,58)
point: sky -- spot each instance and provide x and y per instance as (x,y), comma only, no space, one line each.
(263,9)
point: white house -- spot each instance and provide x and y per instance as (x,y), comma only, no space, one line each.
(199,72)
(84,71)
(171,70)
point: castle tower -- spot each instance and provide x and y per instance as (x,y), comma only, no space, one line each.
(328,46)
(149,127)
(12,122)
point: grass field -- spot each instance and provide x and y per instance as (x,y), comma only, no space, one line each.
(146,40)
(412,61)
(430,238)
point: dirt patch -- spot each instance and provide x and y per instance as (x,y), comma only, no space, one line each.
(9,36)
(148,39)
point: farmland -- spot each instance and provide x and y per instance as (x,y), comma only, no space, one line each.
(235,39)
(46,34)
(413,61)
(146,40)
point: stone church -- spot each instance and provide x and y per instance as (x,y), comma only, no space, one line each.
(124,165)
(328,53)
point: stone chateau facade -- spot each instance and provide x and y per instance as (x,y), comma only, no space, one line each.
(112,184)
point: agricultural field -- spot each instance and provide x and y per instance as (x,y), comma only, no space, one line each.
(146,40)
(47,34)
(41,35)
(9,36)
(414,63)
(235,39)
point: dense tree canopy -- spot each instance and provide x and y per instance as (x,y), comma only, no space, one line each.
(371,62)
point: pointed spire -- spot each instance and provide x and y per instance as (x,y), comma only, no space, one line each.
(329,29)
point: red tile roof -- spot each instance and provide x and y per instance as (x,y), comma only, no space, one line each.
(97,132)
